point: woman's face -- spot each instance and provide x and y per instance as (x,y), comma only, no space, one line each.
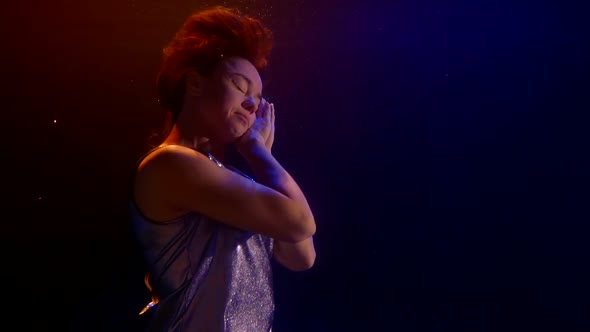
(229,99)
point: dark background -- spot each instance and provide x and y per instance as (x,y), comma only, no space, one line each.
(442,145)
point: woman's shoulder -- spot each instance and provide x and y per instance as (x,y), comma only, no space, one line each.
(170,150)
(167,154)
(164,179)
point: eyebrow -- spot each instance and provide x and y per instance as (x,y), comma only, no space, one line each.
(249,83)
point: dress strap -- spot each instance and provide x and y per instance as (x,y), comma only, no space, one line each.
(215,160)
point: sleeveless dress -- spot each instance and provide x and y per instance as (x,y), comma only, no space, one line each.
(206,275)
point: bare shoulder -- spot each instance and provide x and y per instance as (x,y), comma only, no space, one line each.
(169,156)
(159,178)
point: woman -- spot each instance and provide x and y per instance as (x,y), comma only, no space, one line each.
(207,230)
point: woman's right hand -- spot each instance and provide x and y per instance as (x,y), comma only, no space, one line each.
(262,130)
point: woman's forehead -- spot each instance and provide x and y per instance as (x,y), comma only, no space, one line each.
(237,65)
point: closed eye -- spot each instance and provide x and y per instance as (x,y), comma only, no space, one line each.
(239,86)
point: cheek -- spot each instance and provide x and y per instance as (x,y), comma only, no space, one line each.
(223,100)
(233,97)
(216,101)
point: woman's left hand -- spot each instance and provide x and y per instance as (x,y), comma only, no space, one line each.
(262,130)
(271,136)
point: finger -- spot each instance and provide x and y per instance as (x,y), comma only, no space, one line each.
(260,110)
(272,113)
(272,119)
(264,109)
(268,111)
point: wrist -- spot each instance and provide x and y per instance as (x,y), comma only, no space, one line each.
(250,147)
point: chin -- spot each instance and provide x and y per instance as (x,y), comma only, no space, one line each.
(235,133)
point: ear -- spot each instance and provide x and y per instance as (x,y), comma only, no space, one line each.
(194,83)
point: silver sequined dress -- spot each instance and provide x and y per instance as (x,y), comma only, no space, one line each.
(209,276)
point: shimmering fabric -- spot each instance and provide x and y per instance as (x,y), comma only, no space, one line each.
(209,276)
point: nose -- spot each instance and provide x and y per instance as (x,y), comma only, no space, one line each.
(249,104)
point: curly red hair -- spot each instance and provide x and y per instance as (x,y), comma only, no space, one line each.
(206,37)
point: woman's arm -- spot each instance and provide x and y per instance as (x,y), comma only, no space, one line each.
(175,180)
(256,147)
(296,256)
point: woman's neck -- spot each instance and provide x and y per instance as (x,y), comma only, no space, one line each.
(195,142)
